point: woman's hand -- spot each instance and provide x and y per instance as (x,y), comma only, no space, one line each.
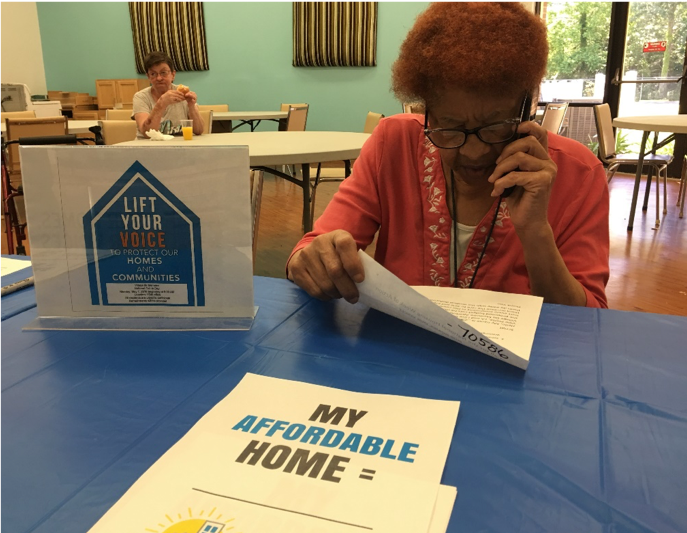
(526,164)
(329,267)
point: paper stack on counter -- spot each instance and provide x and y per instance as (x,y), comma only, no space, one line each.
(282,456)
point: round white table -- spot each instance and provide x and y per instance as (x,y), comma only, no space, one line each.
(674,124)
(280,148)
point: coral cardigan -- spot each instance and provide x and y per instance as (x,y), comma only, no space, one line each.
(398,187)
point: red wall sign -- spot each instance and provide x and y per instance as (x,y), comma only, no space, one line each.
(655,46)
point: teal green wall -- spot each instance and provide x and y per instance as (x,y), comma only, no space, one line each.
(250,54)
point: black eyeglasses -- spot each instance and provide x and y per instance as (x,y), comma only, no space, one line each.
(496,133)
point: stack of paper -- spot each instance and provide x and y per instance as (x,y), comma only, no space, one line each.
(282,456)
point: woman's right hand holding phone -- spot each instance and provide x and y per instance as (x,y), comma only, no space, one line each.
(328,267)
(526,163)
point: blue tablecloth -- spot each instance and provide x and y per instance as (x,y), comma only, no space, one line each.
(23,299)
(592,438)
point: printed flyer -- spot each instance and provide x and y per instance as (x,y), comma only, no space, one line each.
(151,241)
(140,232)
(283,456)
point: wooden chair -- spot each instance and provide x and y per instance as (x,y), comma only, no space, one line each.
(283,124)
(118,114)
(371,121)
(552,120)
(607,154)
(206,115)
(17,114)
(218,126)
(298,117)
(117,131)
(256,182)
(85,115)
(296,120)
(285,107)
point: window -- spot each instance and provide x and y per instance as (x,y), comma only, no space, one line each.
(654,50)
(578,45)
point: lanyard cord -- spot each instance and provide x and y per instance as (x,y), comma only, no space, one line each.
(455,237)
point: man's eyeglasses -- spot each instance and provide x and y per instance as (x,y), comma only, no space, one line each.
(162,74)
(496,133)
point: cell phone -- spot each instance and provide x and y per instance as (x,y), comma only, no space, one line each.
(526,108)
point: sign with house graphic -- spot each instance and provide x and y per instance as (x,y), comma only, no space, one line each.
(140,234)
(143,245)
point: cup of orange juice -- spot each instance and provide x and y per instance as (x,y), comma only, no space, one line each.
(187,129)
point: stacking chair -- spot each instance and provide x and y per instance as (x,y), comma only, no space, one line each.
(553,116)
(285,107)
(218,126)
(296,120)
(655,162)
(17,114)
(371,122)
(118,131)
(118,114)
(283,124)
(206,115)
(298,116)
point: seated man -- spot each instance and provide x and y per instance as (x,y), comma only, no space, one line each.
(162,106)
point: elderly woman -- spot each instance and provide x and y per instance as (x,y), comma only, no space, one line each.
(437,188)
(162,106)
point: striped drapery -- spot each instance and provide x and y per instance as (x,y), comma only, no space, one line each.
(334,34)
(176,28)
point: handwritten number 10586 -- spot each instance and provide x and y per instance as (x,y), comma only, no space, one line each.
(484,343)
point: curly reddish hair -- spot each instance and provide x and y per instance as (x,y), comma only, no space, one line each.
(486,47)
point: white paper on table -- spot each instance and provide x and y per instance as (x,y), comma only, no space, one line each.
(201,472)
(199,482)
(446,497)
(10,266)
(428,423)
(385,292)
(509,319)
